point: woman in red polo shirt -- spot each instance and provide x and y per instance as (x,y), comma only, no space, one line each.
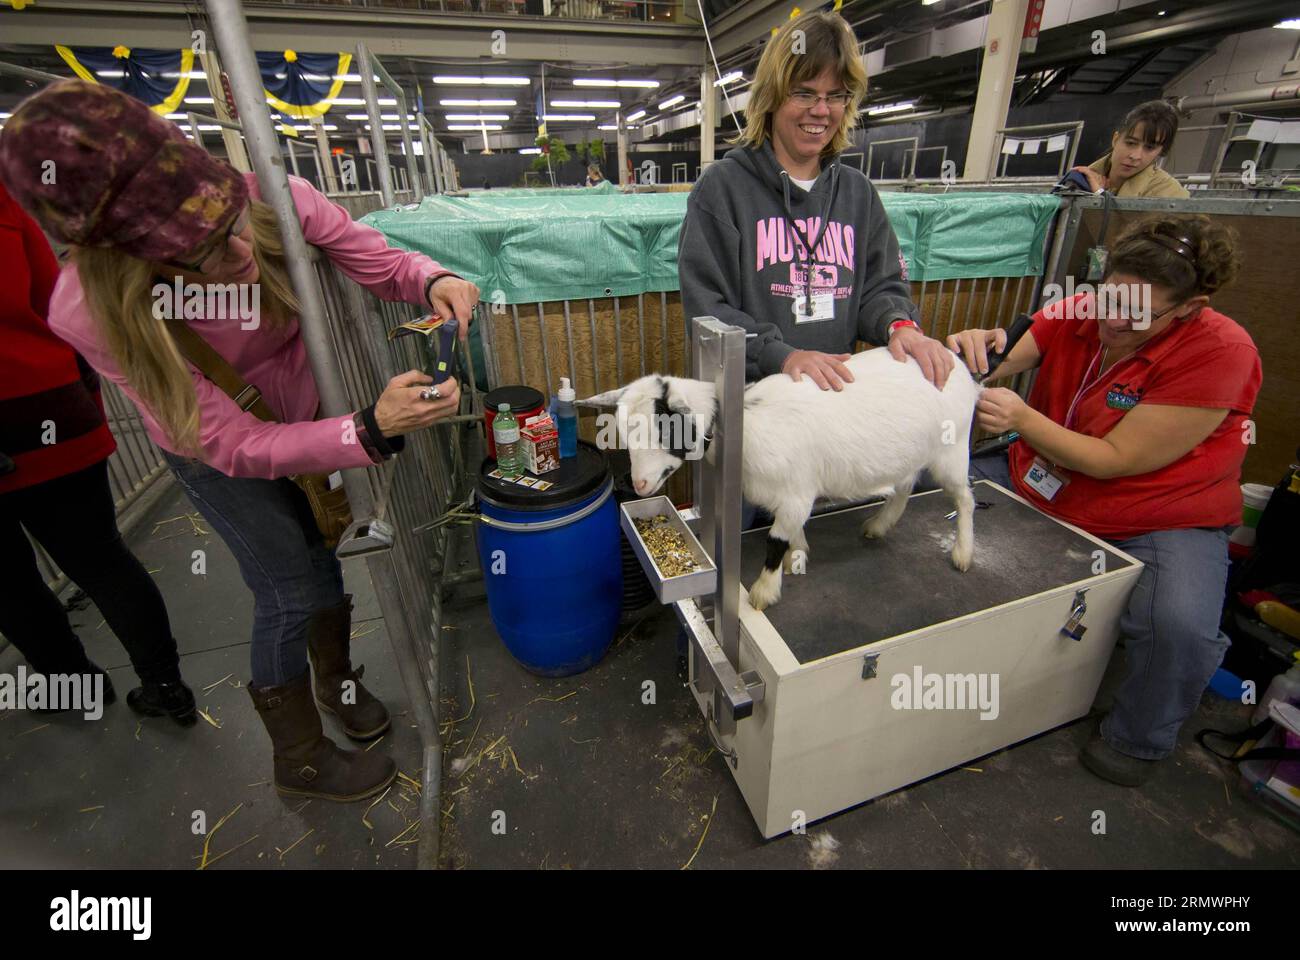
(1136,430)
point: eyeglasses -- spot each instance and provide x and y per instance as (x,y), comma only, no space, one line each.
(807,99)
(217,253)
(1123,314)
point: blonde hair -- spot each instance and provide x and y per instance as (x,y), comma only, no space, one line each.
(824,40)
(119,291)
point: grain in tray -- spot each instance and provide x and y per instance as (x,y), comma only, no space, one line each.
(667,547)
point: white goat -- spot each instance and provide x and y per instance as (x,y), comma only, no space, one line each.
(802,442)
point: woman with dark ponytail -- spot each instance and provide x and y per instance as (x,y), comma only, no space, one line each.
(1135,430)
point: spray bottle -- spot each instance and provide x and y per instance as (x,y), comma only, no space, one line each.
(566,419)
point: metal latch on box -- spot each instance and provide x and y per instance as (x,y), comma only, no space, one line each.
(1074,628)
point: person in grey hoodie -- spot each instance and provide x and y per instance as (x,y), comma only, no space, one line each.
(781,239)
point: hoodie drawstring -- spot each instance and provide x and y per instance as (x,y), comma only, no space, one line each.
(821,229)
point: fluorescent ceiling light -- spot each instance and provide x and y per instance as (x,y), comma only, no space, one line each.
(308,126)
(592,82)
(356,102)
(477,117)
(170,116)
(198,99)
(483,81)
(635,116)
(548,117)
(890,108)
(608,126)
(1287,25)
(110,73)
(382,116)
(672,101)
(531,150)
(477,103)
(589,104)
(729,78)
(473,126)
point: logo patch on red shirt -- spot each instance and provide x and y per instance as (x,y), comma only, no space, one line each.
(1120,397)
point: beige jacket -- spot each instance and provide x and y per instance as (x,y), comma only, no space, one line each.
(1151,182)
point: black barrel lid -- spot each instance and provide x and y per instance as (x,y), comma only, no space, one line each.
(578,478)
(520,399)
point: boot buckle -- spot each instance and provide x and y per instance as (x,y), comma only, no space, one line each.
(308,773)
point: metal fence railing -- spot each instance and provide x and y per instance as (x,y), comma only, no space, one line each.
(401,507)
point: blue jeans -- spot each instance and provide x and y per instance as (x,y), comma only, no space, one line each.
(269,527)
(1170,628)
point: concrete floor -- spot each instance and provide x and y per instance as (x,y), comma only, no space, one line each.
(576,772)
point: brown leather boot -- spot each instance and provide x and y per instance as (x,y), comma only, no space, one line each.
(338,687)
(307,764)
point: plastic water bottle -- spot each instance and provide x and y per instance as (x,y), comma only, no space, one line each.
(566,419)
(505,433)
(1285,687)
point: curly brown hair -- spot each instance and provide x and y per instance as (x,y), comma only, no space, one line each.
(1190,255)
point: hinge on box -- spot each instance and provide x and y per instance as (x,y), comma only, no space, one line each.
(1074,628)
(869,665)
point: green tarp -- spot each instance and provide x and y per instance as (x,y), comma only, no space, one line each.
(576,243)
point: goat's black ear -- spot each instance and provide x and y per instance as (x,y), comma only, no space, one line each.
(609,398)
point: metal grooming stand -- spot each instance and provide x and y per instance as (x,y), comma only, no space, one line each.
(712,624)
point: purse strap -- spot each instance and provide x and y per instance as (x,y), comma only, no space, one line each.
(1255,732)
(217,369)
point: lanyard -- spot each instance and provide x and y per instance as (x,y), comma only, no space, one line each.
(1087,385)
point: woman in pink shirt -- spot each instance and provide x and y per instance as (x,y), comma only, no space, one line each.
(142,207)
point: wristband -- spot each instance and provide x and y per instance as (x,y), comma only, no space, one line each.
(898,324)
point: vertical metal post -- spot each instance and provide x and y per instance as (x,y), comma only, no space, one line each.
(378,144)
(719,354)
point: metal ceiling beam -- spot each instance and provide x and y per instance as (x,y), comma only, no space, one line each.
(1137,67)
(386,32)
(1068,46)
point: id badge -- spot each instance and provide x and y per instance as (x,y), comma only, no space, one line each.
(823,308)
(1042,480)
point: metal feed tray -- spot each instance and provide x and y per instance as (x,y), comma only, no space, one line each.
(667,589)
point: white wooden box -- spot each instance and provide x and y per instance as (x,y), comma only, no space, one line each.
(825,738)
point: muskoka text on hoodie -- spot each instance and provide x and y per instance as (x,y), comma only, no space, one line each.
(743,257)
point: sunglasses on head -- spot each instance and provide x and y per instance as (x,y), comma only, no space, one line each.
(217,252)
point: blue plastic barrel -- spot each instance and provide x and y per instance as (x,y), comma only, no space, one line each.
(551,564)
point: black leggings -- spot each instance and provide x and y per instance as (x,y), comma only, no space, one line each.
(73,518)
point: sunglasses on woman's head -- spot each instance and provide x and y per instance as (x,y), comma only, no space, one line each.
(217,252)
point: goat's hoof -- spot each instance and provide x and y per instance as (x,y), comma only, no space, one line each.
(873,532)
(763,594)
(961,559)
